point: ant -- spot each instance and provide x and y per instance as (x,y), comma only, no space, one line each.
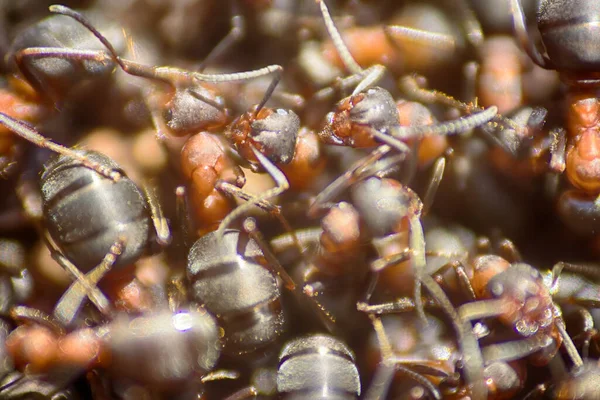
(71,186)
(392,213)
(432,361)
(370,116)
(187,107)
(244,273)
(42,345)
(312,365)
(263,137)
(573,149)
(519,297)
(53,56)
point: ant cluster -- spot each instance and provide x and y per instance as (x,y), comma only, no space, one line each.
(299,199)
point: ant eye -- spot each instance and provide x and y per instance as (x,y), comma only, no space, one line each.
(497,289)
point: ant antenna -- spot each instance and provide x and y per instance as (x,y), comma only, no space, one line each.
(27,132)
(347,59)
(446,128)
(167,74)
(395,33)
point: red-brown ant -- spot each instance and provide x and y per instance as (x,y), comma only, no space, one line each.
(262,136)
(371,116)
(568,38)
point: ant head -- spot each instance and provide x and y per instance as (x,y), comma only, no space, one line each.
(529,304)
(357,116)
(192,111)
(376,109)
(275,134)
(383,204)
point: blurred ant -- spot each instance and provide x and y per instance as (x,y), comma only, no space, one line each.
(433,357)
(581,383)
(333,274)
(518,296)
(573,149)
(129,349)
(17,385)
(399,49)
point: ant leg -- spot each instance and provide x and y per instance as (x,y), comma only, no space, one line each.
(181,210)
(340,85)
(161,227)
(434,183)
(508,250)
(461,274)
(282,186)
(401,147)
(235,191)
(558,150)
(516,349)
(23,313)
(468,344)
(275,266)
(354,174)
(235,34)
(220,374)
(86,286)
(418,260)
(95,295)
(470,22)
(252,230)
(28,133)
(157,120)
(405,304)
(588,331)
(567,341)
(244,393)
(481,309)
(385,262)
(360,81)
(389,366)
(306,237)
(402,305)
(520,28)
(399,35)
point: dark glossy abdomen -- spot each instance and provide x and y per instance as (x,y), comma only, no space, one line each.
(87,213)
